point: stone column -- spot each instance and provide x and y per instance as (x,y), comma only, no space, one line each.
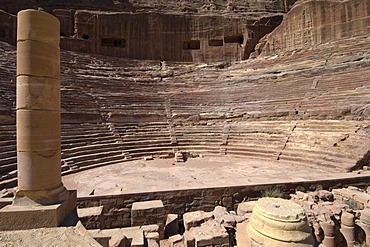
(348,228)
(276,222)
(329,231)
(365,223)
(38,110)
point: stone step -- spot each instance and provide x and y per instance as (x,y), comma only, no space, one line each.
(95,162)
(8,183)
(6,168)
(88,149)
(8,160)
(91,156)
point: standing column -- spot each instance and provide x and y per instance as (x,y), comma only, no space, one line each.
(365,223)
(329,232)
(38,110)
(348,228)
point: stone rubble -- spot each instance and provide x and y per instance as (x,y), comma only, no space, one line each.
(321,218)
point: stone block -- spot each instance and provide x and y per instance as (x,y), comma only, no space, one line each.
(152,235)
(91,217)
(91,211)
(241,234)
(189,239)
(33,27)
(148,212)
(193,219)
(138,206)
(38,93)
(152,243)
(150,228)
(119,240)
(134,234)
(245,207)
(45,170)
(210,233)
(172,225)
(34,127)
(29,217)
(175,239)
(44,61)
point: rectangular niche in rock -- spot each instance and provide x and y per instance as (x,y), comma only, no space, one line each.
(113,42)
(191,45)
(215,42)
(239,38)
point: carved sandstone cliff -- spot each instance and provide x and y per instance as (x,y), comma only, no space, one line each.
(311,23)
(195,6)
(159,36)
(188,31)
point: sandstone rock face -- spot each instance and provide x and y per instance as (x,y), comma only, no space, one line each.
(199,31)
(311,23)
(192,6)
(166,36)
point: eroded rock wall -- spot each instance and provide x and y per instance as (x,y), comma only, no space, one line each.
(195,6)
(160,36)
(311,23)
(186,31)
(8,27)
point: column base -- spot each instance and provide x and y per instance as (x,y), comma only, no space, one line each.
(52,196)
(24,217)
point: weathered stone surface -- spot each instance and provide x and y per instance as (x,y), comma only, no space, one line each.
(119,240)
(308,25)
(245,207)
(30,216)
(91,217)
(348,228)
(209,233)
(222,216)
(55,236)
(365,223)
(88,28)
(175,239)
(172,225)
(38,124)
(134,234)
(278,222)
(189,240)
(193,219)
(148,212)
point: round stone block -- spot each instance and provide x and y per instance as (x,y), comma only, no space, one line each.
(39,170)
(365,216)
(38,93)
(279,222)
(38,59)
(38,26)
(38,130)
(347,219)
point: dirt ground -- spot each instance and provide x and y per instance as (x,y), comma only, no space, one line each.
(48,237)
(203,172)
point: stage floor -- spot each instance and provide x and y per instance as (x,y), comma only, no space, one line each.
(203,172)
